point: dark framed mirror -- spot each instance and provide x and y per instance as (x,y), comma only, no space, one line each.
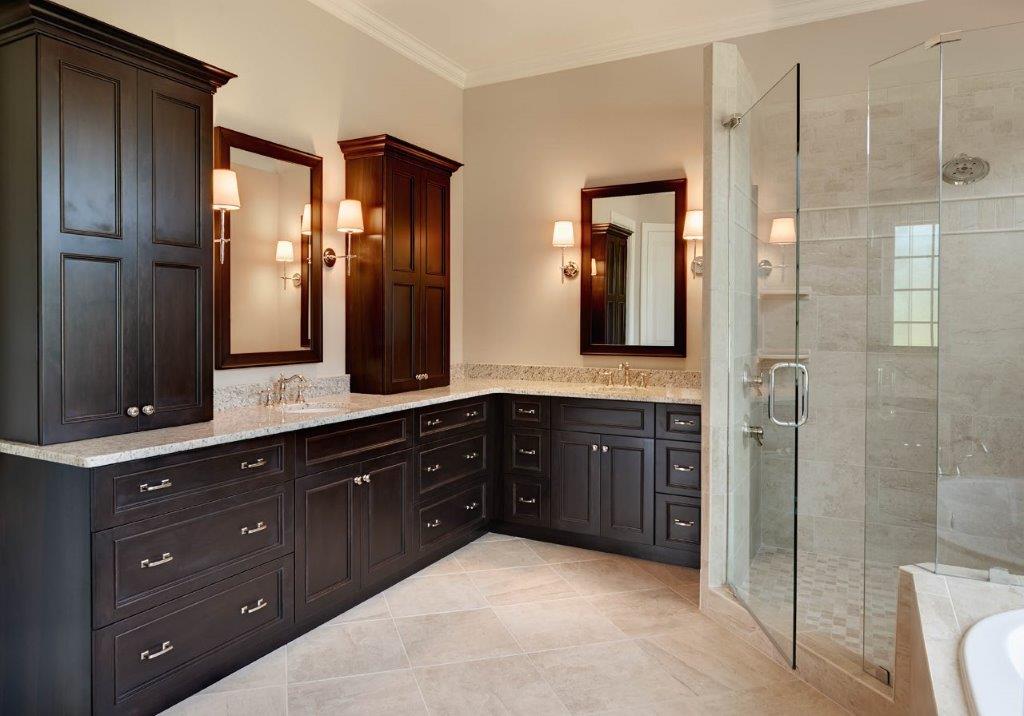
(633,288)
(268,274)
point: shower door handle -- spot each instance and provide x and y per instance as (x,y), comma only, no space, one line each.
(803,395)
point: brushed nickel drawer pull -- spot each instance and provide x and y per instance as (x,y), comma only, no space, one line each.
(164,559)
(254,464)
(526,411)
(684,423)
(472,506)
(531,501)
(260,603)
(432,468)
(472,413)
(147,655)
(260,526)
(680,523)
(683,468)
(523,451)
(471,455)
(434,422)
(435,523)
(162,485)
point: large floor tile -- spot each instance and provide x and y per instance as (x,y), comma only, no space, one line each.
(682,580)
(521,584)
(391,692)
(494,537)
(430,595)
(554,553)
(792,698)
(447,565)
(646,612)
(557,624)
(373,608)
(455,636)
(606,575)
(271,670)
(603,677)
(346,649)
(269,701)
(496,555)
(509,685)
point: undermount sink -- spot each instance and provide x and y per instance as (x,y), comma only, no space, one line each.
(303,409)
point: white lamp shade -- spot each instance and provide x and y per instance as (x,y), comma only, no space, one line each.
(285,252)
(307,220)
(563,237)
(693,227)
(350,216)
(225,190)
(783,231)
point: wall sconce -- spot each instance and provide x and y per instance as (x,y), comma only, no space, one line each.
(783,233)
(225,199)
(563,238)
(693,230)
(350,221)
(286,255)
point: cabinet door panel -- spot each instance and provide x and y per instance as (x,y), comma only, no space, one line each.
(576,482)
(627,489)
(402,367)
(387,516)
(403,222)
(435,230)
(434,336)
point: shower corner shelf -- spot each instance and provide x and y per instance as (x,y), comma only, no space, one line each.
(784,292)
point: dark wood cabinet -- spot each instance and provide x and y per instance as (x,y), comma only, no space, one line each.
(386,516)
(627,488)
(110,328)
(576,482)
(398,297)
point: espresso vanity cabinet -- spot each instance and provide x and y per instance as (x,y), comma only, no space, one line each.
(106,229)
(398,296)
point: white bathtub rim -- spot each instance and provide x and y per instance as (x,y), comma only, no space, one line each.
(991,665)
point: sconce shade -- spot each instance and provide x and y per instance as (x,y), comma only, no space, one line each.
(350,216)
(285,252)
(693,227)
(783,231)
(563,237)
(307,220)
(225,190)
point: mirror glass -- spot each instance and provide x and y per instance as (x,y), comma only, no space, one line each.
(633,278)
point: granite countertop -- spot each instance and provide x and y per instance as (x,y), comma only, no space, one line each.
(253,422)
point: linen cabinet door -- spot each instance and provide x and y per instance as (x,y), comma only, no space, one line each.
(327,552)
(434,282)
(387,529)
(576,482)
(175,256)
(88,229)
(627,489)
(403,196)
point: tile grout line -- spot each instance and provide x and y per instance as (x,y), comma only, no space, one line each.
(405,652)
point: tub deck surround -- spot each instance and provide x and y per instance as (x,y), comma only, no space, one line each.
(252,422)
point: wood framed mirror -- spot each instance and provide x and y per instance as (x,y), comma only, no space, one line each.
(268,280)
(633,289)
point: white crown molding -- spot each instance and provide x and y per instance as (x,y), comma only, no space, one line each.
(386,32)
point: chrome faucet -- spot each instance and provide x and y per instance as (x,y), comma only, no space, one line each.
(281,386)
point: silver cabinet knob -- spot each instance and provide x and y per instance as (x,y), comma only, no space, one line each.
(604,448)
(133,412)
(366,479)
(148,410)
(594,448)
(358,480)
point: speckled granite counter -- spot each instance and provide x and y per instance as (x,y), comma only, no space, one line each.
(245,423)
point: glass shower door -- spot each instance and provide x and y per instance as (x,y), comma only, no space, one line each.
(768,388)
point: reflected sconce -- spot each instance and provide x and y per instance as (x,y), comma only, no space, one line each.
(564,237)
(782,233)
(225,199)
(307,220)
(350,221)
(693,230)
(286,255)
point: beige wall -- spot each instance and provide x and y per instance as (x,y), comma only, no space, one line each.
(307,79)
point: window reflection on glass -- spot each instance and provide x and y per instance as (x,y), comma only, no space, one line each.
(915,286)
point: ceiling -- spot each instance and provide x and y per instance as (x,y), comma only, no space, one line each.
(478,42)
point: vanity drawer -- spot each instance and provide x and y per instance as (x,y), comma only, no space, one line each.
(526,501)
(678,522)
(154,486)
(147,563)
(677,467)
(448,463)
(341,444)
(608,417)
(527,411)
(681,422)
(436,422)
(527,451)
(148,661)
(461,511)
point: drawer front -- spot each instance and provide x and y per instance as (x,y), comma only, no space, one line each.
(449,463)
(145,488)
(608,417)
(527,452)
(526,501)
(678,522)
(436,422)
(334,445)
(677,466)
(148,661)
(451,515)
(681,422)
(151,562)
(527,411)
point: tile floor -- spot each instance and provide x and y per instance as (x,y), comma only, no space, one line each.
(512,626)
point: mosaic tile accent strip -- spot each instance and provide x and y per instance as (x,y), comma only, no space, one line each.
(247,395)
(660,378)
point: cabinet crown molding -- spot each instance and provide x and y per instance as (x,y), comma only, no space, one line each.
(380,144)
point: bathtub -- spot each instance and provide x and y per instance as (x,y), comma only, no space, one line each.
(992,663)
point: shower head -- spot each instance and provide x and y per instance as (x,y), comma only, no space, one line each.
(964,169)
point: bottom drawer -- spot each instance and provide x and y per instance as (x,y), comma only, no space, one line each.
(526,501)
(678,522)
(458,512)
(150,660)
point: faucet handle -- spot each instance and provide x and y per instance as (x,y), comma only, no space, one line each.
(607,375)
